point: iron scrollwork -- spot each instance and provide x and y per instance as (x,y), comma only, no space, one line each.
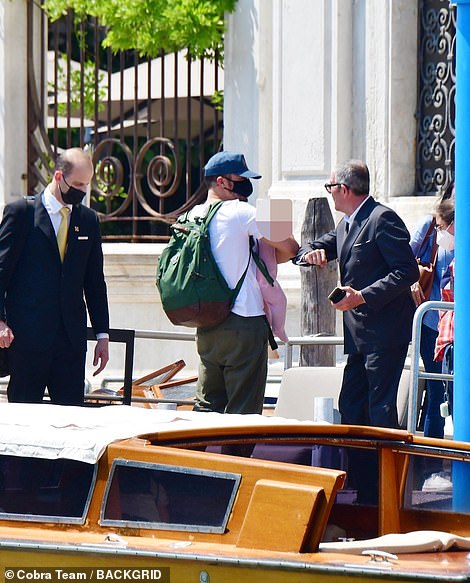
(436,108)
(113,161)
(121,179)
(161,174)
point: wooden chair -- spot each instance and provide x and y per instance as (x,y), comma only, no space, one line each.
(152,386)
(162,386)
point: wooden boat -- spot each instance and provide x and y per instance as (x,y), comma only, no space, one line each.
(133,493)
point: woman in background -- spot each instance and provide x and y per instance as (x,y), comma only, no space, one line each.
(445,213)
(422,241)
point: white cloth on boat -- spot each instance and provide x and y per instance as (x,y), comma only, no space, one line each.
(418,541)
(83,433)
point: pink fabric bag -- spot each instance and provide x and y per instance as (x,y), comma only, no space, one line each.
(275,301)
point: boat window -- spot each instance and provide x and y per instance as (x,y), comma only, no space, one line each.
(360,464)
(355,511)
(428,484)
(144,495)
(34,489)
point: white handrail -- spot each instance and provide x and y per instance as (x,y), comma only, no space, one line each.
(416,374)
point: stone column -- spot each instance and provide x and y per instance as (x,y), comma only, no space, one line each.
(244,77)
(312,92)
(13,100)
(390,30)
(313,82)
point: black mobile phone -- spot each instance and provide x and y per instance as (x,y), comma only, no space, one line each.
(336,295)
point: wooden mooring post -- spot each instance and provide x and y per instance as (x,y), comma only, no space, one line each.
(318,316)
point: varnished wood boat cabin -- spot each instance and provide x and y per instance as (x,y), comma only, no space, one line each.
(222,498)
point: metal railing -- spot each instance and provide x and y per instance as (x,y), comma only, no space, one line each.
(189,337)
(317,340)
(415,372)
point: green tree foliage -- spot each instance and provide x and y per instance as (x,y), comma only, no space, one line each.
(82,89)
(153,26)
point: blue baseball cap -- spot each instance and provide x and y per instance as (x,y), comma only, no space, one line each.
(224,163)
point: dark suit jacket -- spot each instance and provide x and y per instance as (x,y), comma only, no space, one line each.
(375,258)
(37,291)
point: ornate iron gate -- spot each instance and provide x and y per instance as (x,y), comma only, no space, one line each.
(151,124)
(436,91)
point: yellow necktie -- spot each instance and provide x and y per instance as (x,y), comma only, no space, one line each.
(62,232)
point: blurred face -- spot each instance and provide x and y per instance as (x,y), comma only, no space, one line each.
(445,234)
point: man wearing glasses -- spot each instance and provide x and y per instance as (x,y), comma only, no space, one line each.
(377,268)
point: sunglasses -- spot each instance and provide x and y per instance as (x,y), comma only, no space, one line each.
(329,187)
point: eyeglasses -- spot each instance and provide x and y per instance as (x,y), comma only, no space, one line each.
(329,187)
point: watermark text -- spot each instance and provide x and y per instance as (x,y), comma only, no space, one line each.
(94,574)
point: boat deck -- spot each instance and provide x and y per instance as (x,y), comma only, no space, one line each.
(123,484)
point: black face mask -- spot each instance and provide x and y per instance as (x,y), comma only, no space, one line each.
(72,195)
(242,188)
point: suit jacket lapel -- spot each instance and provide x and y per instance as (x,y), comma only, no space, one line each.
(341,236)
(355,229)
(43,222)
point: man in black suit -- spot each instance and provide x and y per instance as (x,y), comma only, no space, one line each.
(377,269)
(51,263)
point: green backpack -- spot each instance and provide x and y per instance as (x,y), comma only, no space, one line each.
(192,289)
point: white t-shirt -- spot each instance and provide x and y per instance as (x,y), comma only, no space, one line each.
(229,233)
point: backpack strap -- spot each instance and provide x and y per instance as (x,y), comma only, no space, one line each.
(434,251)
(264,270)
(272,341)
(214,207)
(428,234)
(238,287)
(207,219)
(260,264)
(179,225)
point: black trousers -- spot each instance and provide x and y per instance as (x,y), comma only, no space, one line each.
(370,385)
(61,369)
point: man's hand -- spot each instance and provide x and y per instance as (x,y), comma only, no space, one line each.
(417,294)
(101,354)
(352,299)
(6,335)
(316,257)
